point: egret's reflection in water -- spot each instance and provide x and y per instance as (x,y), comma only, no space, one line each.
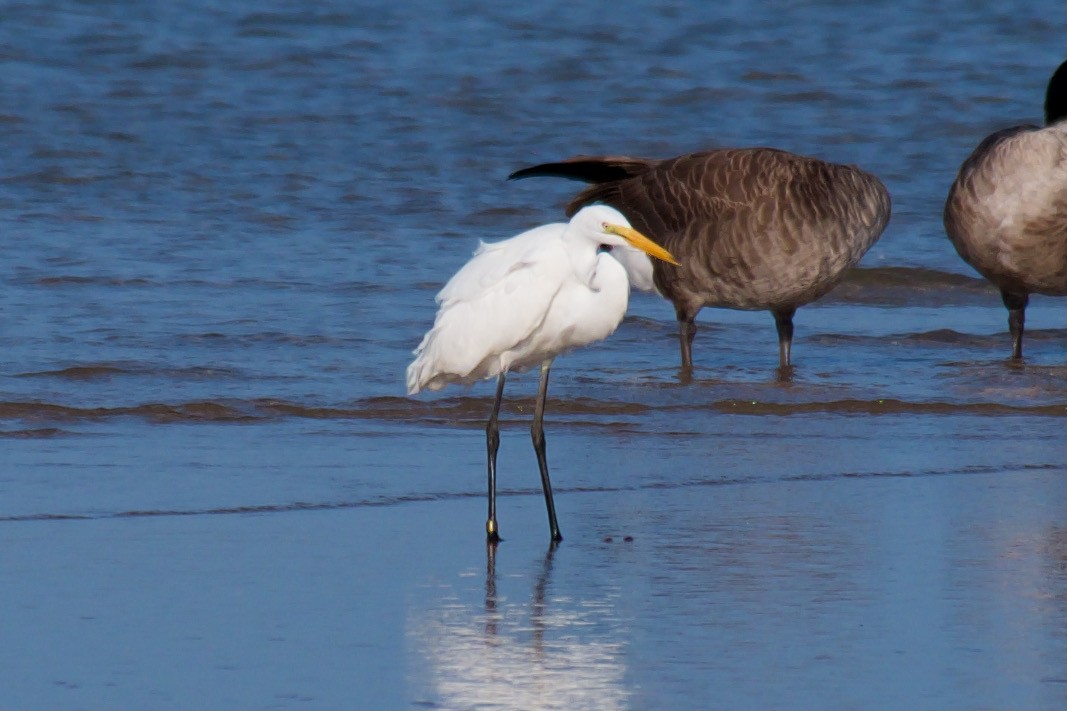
(541,652)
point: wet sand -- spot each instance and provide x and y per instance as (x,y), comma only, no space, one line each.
(929,579)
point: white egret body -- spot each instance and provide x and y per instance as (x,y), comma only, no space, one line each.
(520,303)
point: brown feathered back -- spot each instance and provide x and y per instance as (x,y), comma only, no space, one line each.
(753,228)
(1006,212)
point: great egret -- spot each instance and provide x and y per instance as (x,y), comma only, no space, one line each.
(520,303)
(1006,212)
(754,228)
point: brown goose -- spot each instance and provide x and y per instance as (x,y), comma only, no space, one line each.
(753,228)
(1006,212)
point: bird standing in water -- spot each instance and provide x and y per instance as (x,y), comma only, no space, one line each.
(521,302)
(1006,212)
(753,228)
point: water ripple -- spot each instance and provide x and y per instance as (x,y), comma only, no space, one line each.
(404,499)
(473,410)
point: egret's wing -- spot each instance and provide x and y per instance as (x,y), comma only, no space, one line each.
(493,261)
(490,307)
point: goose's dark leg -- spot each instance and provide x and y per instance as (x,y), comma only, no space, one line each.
(687,331)
(783,321)
(1016,304)
(537,433)
(492,443)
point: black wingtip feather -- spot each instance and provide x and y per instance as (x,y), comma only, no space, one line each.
(534,171)
(585,171)
(588,169)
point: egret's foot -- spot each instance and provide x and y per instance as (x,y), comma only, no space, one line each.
(492,533)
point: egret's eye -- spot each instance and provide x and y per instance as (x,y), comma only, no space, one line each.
(603,248)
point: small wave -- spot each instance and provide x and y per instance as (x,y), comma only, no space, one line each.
(272,337)
(804,98)
(170,60)
(642,323)
(53,176)
(902,286)
(255,509)
(271,219)
(74,280)
(101,371)
(63,153)
(303,18)
(888,407)
(78,372)
(940,337)
(121,137)
(350,287)
(913,276)
(472,411)
(369,288)
(40,433)
(761,76)
(460,411)
(202,411)
(702,96)
(946,336)
(403,499)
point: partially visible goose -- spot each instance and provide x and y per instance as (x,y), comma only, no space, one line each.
(752,228)
(1006,212)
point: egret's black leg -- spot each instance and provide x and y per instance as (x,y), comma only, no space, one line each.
(783,321)
(492,443)
(537,432)
(1016,304)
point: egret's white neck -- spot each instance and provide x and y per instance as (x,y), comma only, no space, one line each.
(583,254)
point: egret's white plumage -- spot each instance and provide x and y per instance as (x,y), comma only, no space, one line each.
(523,301)
(526,299)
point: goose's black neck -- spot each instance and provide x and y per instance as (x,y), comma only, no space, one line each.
(1056,96)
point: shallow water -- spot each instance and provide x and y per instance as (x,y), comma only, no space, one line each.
(225,226)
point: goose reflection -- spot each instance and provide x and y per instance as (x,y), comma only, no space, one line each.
(535,654)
